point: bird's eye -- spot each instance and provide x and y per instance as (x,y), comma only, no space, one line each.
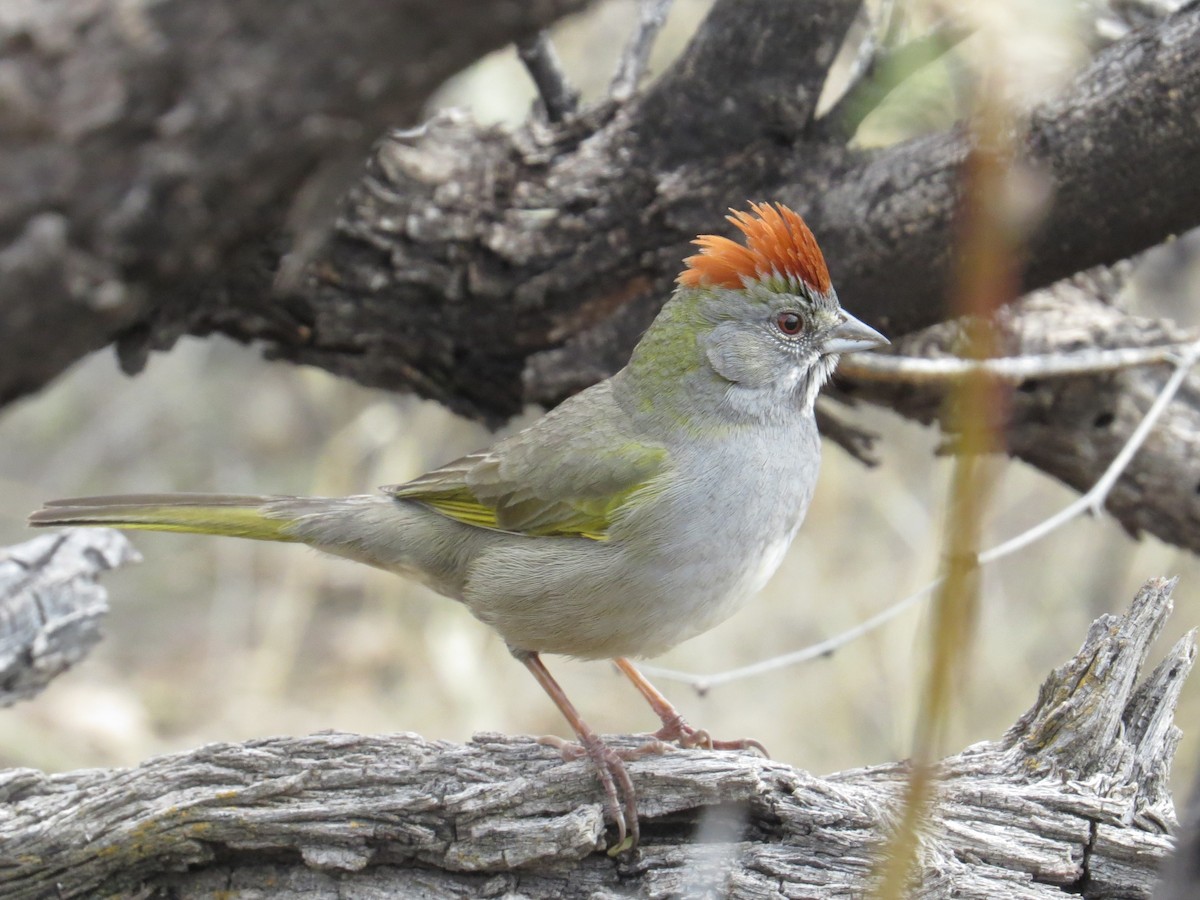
(789,323)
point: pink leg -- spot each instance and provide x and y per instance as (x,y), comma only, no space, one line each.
(613,778)
(674,727)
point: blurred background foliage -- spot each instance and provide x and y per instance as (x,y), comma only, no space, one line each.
(225,640)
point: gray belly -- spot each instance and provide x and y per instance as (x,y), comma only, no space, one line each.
(596,600)
(673,569)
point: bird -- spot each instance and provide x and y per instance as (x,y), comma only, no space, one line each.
(636,514)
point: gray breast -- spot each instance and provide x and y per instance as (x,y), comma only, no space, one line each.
(677,564)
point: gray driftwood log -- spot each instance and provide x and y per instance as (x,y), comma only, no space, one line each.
(1072,800)
(51,606)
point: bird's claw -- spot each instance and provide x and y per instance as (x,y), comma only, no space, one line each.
(677,731)
(620,800)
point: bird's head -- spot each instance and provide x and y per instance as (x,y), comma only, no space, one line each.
(758,320)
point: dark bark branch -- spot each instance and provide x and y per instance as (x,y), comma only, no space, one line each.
(154,155)
(531,239)
(559,99)
(1071,801)
(753,72)
(488,270)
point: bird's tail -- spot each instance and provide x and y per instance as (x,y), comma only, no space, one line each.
(246,516)
(390,533)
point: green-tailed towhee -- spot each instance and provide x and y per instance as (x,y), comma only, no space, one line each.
(640,512)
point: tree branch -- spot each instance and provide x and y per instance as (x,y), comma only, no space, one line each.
(887,223)
(488,270)
(1071,800)
(559,99)
(631,67)
(154,155)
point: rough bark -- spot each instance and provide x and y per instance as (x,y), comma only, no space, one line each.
(488,269)
(51,607)
(155,155)
(1071,801)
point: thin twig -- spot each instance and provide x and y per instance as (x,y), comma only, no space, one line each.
(986,278)
(559,98)
(1014,369)
(652,15)
(703,683)
(1092,501)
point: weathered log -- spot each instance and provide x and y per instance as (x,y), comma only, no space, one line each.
(1072,800)
(51,607)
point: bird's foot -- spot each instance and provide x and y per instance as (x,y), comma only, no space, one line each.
(620,799)
(676,730)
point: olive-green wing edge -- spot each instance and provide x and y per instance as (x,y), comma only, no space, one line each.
(446,491)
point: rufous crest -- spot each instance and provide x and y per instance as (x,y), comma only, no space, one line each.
(778,243)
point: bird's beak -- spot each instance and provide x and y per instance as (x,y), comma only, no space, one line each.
(850,335)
